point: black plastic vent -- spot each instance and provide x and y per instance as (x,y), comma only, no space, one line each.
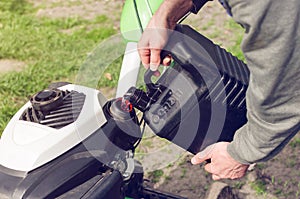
(235,92)
(54,108)
(234,81)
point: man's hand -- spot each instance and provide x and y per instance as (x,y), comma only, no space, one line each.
(156,35)
(221,164)
(153,41)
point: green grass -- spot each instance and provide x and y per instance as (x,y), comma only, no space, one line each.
(237,30)
(49,53)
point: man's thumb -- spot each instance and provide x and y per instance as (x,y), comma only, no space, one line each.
(203,155)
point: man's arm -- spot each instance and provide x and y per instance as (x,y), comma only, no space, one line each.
(271,46)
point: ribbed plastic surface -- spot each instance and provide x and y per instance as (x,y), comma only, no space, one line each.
(235,78)
(60,116)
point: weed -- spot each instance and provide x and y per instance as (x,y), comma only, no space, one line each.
(259,186)
(168,178)
(286,183)
(206,187)
(260,166)
(183,173)
(278,192)
(239,184)
(170,165)
(295,143)
(273,179)
(156,175)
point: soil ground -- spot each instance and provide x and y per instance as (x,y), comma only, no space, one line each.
(279,176)
(7,65)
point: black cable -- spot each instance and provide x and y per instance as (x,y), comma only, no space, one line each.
(142,132)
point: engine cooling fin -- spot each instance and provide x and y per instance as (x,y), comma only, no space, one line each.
(54,108)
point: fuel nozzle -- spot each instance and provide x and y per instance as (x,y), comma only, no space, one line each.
(141,99)
(137,98)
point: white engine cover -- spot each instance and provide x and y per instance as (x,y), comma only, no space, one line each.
(24,146)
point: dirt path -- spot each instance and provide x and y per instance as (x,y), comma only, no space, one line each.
(86,9)
(8,65)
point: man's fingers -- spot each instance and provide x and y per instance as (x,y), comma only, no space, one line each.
(155,59)
(207,168)
(203,155)
(167,60)
(145,57)
(215,177)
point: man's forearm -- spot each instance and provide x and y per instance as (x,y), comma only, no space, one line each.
(173,10)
